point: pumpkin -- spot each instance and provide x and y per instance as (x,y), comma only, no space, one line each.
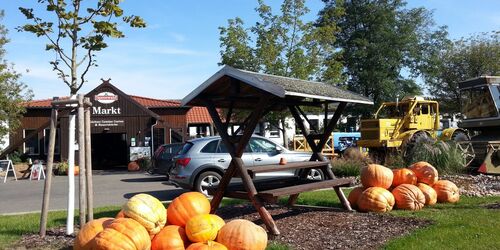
(425,172)
(203,227)
(133,166)
(120,215)
(147,210)
(376,199)
(446,191)
(89,231)
(76,170)
(354,196)
(210,245)
(171,237)
(186,206)
(429,193)
(408,197)
(375,175)
(242,235)
(125,234)
(403,176)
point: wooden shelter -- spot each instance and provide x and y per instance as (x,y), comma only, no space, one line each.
(232,89)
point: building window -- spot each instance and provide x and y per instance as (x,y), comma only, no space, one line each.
(46,137)
(158,137)
(32,145)
(201,131)
(314,125)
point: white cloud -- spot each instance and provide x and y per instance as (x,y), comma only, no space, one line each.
(178,37)
(173,51)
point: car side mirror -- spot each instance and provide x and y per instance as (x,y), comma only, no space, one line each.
(279,150)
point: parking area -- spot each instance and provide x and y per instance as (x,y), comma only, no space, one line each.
(110,188)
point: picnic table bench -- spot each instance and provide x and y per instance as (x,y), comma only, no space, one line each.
(232,89)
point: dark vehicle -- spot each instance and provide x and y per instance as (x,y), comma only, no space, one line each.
(162,158)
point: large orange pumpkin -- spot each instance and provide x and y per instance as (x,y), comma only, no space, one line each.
(171,237)
(354,196)
(375,199)
(408,197)
(210,245)
(186,206)
(446,191)
(148,211)
(242,235)
(89,231)
(429,193)
(125,234)
(133,166)
(120,215)
(403,176)
(425,172)
(375,175)
(203,227)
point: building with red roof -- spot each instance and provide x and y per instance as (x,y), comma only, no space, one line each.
(120,123)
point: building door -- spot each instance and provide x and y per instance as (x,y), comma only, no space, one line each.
(109,150)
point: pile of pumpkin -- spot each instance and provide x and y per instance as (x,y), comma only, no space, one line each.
(409,188)
(144,223)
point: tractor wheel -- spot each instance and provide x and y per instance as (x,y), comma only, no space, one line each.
(463,143)
(410,143)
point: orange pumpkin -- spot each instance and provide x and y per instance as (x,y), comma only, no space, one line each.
(120,215)
(403,176)
(375,199)
(446,191)
(375,175)
(210,245)
(76,170)
(186,206)
(425,172)
(203,227)
(147,210)
(171,237)
(133,166)
(242,235)
(429,193)
(89,231)
(354,196)
(408,197)
(125,234)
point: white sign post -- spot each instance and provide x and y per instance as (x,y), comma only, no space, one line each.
(10,167)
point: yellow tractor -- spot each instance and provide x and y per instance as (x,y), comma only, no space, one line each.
(397,126)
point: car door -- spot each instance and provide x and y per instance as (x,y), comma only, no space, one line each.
(264,153)
(222,158)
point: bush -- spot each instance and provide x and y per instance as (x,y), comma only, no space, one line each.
(446,157)
(17,157)
(62,168)
(347,167)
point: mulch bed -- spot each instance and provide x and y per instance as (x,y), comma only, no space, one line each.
(301,228)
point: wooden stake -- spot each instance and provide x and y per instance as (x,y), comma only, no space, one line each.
(48,179)
(88,165)
(81,161)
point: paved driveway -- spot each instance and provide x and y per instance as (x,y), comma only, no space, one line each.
(110,188)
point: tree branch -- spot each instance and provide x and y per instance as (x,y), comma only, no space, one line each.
(82,76)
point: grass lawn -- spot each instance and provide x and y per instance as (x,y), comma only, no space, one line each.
(464,225)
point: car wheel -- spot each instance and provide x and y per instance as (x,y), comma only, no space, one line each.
(206,180)
(315,174)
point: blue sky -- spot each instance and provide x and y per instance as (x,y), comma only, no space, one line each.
(180,47)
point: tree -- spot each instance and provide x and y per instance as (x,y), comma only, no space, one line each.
(12,92)
(279,44)
(76,29)
(384,46)
(73,33)
(466,58)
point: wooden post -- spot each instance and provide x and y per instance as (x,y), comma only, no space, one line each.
(81,161)
(48,179)
(88,164)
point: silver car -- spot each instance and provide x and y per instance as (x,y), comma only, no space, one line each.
(201,162)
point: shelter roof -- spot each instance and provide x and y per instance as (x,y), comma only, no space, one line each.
(482,80)
(241,85)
